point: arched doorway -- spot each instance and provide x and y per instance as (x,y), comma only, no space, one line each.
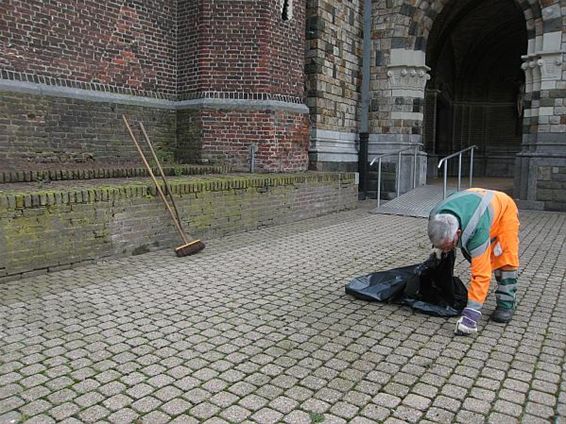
(475,94)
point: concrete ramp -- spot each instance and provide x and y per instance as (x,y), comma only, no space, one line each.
(418,202)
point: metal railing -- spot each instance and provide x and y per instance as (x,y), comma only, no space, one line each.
(444,161)
(414,147)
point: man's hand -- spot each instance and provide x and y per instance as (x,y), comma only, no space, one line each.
(468,323)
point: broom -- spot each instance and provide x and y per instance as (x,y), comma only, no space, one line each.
(189,247)
(167,189)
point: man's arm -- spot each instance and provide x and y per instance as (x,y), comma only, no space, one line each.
(480,279)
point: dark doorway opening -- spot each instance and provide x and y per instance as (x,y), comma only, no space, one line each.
(474,96)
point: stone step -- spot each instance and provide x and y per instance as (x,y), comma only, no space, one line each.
(92,172)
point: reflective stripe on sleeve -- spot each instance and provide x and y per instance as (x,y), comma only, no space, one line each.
(475,219)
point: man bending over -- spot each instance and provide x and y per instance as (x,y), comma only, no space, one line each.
(484,224)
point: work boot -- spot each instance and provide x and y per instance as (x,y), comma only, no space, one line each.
(505,295)
(502,315)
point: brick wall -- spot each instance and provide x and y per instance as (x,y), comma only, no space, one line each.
(285,53)
(240,46)
(178,50)
(189,136)
(190,26)
(280,138)
(47,230)
(37,130)
(130,45)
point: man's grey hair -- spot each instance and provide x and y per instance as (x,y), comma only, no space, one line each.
(442,228)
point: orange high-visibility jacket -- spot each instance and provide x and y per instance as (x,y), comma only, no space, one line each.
(490,234)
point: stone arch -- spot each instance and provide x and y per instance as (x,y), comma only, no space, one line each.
(425,12)
(474,51)
(402,32)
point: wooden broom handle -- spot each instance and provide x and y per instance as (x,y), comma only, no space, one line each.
(183,236)
(160,171)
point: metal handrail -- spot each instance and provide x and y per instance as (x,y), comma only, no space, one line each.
(444,161)
(398,176)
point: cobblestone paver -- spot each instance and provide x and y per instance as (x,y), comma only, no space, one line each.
(257,328)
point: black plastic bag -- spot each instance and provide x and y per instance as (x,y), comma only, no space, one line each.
(429,287)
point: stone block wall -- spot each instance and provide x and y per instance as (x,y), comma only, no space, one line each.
(333,61)
(46,230)
(551,187)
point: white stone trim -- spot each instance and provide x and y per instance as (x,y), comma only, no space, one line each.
(399,141)
(407,115)
(552,41)
(333,146)
(320,134)
(551,12)
(548,85)
(530,112)
(542,111)
(543,70)
(531,46)
(407,72)
(404,57)
(337,146)
(97,96)
(289,8)
(403,92)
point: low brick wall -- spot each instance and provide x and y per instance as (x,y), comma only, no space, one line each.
(42,231)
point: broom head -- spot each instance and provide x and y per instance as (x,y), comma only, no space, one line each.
(189,248)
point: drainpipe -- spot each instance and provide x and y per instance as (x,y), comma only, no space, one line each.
(364,107)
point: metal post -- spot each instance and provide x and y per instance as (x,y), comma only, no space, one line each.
(253,150)
(471,165)
(363,166)
(378,182)
(445,178)
(415,168)
(365,101)
(459,170)
(398,174)
(435,111)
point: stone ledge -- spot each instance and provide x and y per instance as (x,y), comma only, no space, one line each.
(79,222)
(27,198)
(105,172)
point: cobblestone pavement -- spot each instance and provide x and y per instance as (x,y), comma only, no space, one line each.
(257,328)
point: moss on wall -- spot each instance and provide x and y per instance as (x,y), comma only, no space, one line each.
(44,230)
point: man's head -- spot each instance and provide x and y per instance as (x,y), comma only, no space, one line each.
(444,231)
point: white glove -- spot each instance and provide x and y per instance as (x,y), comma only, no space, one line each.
(468,323)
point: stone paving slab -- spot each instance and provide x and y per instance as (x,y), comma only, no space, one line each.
(257,329)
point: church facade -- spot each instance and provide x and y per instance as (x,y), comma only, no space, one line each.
(289,86)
